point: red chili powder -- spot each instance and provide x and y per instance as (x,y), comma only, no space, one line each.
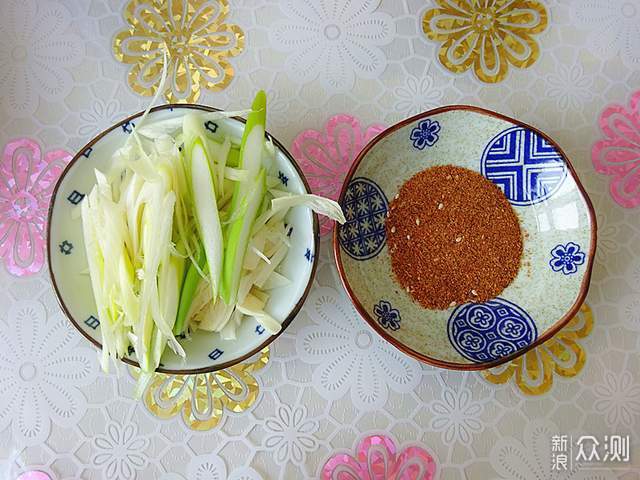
(453,238)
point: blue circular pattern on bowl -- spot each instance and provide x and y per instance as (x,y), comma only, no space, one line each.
(527,167)
(365,208)
(482,332)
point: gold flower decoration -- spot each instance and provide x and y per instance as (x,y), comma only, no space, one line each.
(487,35)
(203,398)
(562,355)
(195,38)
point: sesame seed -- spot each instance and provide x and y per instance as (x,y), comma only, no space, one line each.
(473,292)
(393,229)
(408,289)
(458,239)
(417,221)
(440,206)
(452,304)
(397,196)
(408,237)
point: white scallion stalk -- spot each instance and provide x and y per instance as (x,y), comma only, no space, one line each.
(320,205)
(210,230)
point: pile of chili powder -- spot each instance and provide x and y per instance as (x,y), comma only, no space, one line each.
(453,237)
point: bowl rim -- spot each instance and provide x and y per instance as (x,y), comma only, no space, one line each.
(552,330)
(189,371)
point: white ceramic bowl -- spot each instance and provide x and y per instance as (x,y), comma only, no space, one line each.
(205,351)
(552,207)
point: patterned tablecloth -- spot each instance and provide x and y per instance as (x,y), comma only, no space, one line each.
(329,394)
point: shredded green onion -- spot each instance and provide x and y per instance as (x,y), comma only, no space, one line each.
(186,231)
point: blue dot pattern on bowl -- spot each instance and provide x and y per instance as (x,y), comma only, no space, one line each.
(66,247)
(365,208)
(75,197)
(566,258)
(283,178)
(524,165)
(216,354)
(482,332)
(92,322)
(211,126)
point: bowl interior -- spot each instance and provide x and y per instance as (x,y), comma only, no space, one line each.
(205,351)
(553,211)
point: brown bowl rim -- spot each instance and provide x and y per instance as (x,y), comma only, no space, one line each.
(555,328)
(189,371)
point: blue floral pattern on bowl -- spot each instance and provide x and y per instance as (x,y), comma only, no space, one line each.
(387,316)
(425,134)
(483,332)
(365,208)
(566,258)
(524,165)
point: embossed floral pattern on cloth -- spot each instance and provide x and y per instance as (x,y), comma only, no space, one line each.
(618,154)
(377,458)
(119,451)
(194,35)
(290,434)
(487,36)
(613,27)
(27,179)
(528,456)
(40,380)
(37,53)
(335,41)
(342,346)
(326,156)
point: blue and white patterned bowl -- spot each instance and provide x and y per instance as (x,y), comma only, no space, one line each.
(205,351)
(553,208)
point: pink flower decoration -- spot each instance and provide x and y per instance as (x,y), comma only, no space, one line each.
(377,460)
(618,154)
(27,180)
(34,475)
(326,158)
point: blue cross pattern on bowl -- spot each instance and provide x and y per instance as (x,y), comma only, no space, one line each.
(524,165)
(365,208)
(482,332)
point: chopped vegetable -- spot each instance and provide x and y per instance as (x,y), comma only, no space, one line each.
(187,231)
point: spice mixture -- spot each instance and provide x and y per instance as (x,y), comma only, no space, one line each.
(453,237)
